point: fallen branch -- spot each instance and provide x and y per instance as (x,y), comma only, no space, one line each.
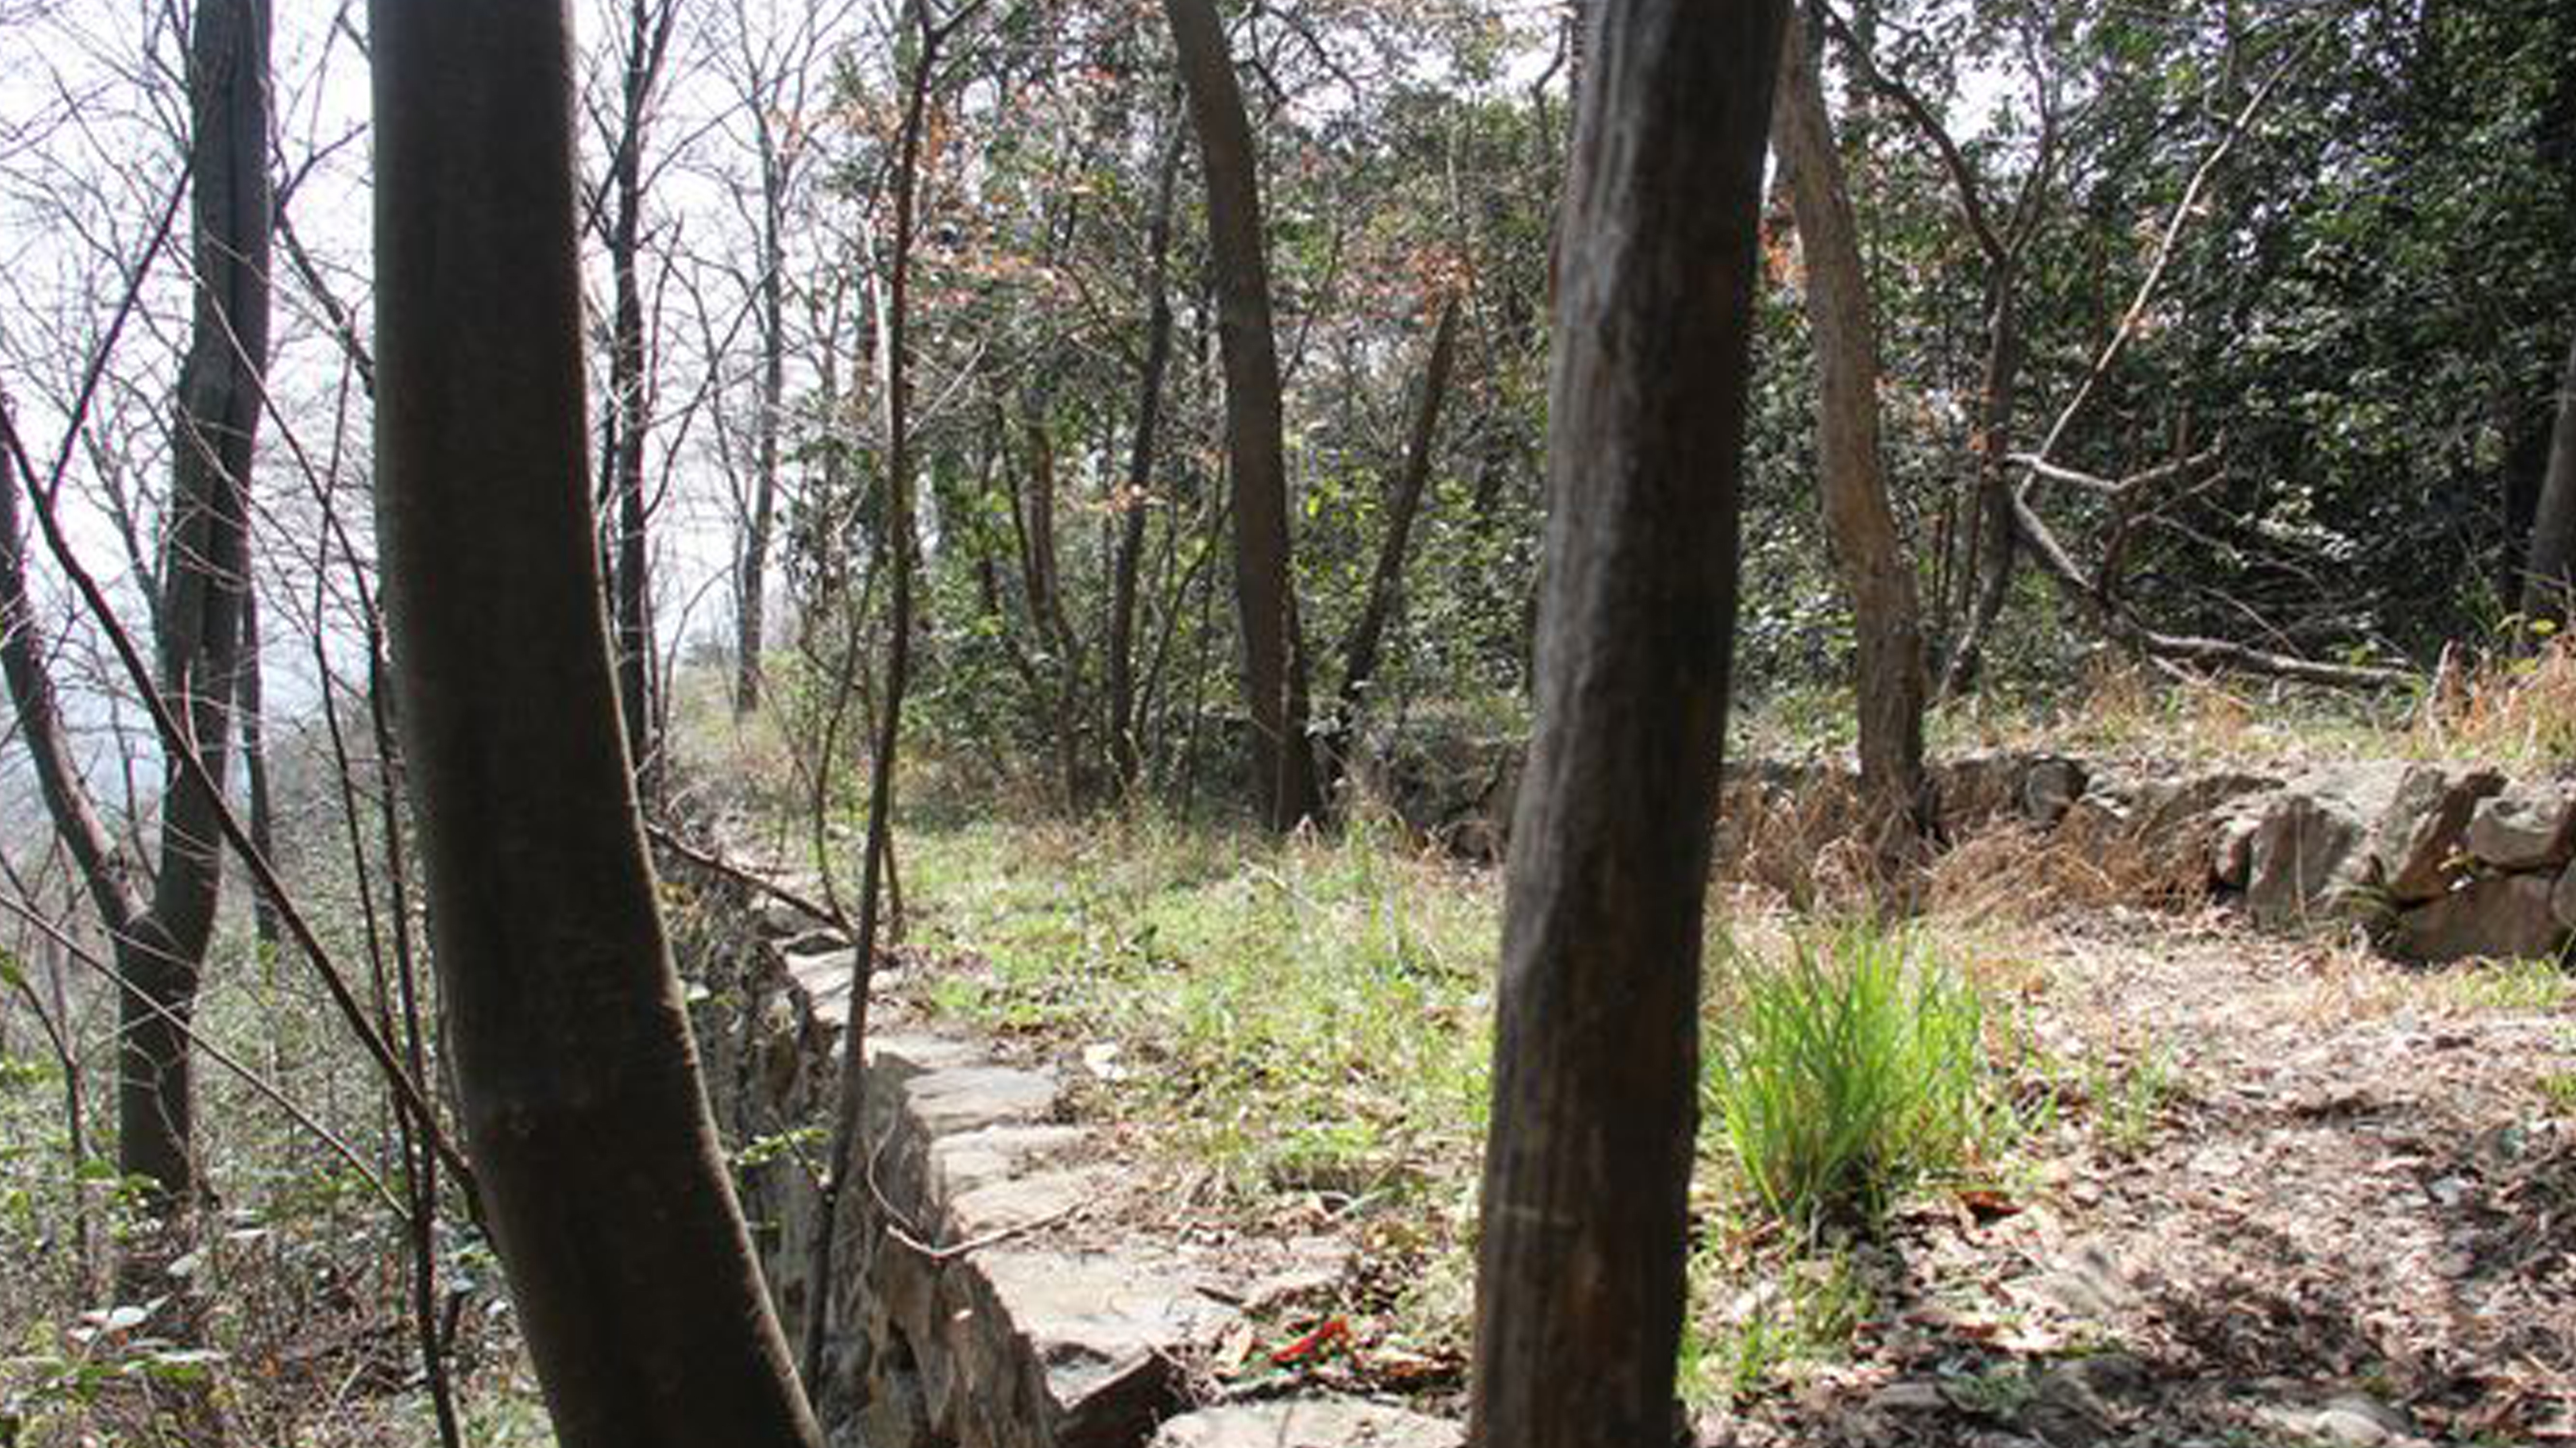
(2125,626)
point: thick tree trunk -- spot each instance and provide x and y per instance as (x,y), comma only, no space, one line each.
(2551,575)
(1274,657)
(1133,514)
(1889,685)
(601,1175)
(1585,1230)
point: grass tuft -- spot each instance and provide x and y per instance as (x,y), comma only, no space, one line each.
(1848,1072)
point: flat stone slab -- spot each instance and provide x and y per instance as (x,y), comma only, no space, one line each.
(1309,1423)
(1002,1205)
(972,1160)
(969,1098)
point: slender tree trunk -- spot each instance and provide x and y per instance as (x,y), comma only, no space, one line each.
(1274,661)
(1585,1231)
(1996,542)
(1060,667)
(630,389)
(206,559)
(2552,572)
(251,703)
(601,1175)
(877,863)
(1133,512)
(752,569)
(1360,655)
(1889,682)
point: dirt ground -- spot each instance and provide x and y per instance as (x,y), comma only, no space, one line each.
(2326,1199)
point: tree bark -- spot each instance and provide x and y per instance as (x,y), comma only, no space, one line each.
(205,561)
(606,1193)
(1128,564)
(2552,571)
(251,702)
(630,390)
(1360,655)
(1889,683)
(1585,1230)
(1274,658)
(752,566)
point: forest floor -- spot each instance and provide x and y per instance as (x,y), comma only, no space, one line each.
(2258,1191)
(2316,1197)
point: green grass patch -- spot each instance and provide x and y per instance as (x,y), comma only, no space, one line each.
(1847,1072)
(1308,1013)
(2511,987)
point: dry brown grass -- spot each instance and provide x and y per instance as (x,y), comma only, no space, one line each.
(2508,709)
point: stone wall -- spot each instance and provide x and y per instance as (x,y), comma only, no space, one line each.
(989,1297)
(2433,861)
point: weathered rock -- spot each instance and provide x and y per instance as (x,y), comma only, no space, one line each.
(2562,900)
(1977,788)
(969,1098)
(2048,788)
(2416,844)
(1019,1201)
(1106,1330)
(1308,1423)
(2304,859)
(2499,915)
(2345,842)
(2529,826)
(968,1161)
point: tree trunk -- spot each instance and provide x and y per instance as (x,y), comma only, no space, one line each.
(1359,667)
(752,567)
(2552,572)
(1996,541)
(1585,1230)
(1133,512)
(251,702)
(630,399)
(602,1179)
(1274,657)
(876,868)
(206,558)
(1889,683)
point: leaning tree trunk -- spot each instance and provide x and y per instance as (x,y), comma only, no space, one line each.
(1386,580)
(1274,658)
(2551,575)
(1889,682)
(1585,1230)
(602,1180)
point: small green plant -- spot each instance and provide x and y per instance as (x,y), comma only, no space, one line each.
(2511,987)
(1805,1309)
(2128,1097)
(2558,1088)
(1848,1072)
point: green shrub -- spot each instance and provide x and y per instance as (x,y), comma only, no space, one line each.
(1846,1073)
